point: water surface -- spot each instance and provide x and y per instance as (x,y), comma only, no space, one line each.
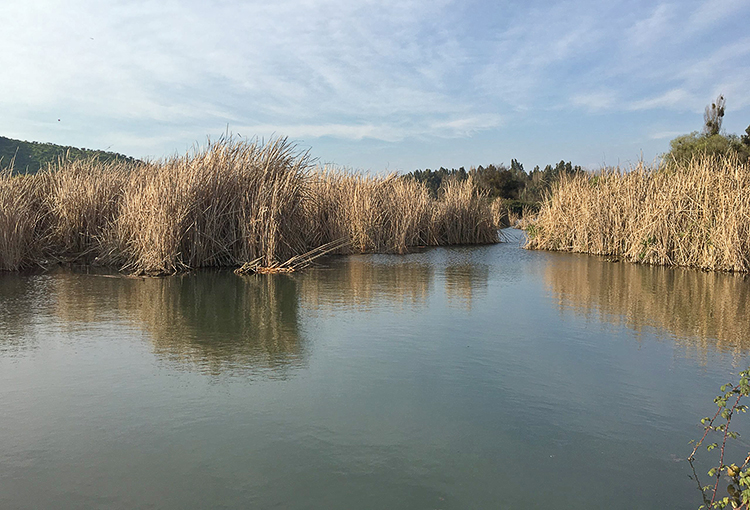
(469,377)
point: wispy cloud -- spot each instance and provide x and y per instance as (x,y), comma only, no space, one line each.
(596,101)
(668,99)
(158,75)
(648,31)
(712,12)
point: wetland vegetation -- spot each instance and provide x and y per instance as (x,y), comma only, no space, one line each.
(230,203)
(690,209)
(692,214)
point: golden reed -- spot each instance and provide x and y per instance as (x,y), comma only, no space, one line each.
(232,202)
(695,214)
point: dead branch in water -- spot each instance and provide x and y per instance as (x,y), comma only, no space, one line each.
(293,264)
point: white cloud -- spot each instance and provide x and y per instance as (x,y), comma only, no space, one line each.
(164,74)
(647,32)
(596,101)
(670,99)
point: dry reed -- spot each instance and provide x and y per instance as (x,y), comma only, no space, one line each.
(81,200)
(694,215)
(20,216)
(463,215)
(230,203)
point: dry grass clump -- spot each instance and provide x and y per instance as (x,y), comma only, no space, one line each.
(81,202)
(694,215)
(230,203)
(462,215)
(20,215)
(500,215)
(376,214)
(390,215)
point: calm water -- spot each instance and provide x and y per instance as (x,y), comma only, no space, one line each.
(485,377)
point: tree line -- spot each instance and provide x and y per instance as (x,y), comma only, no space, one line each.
(519,189)
(30,157)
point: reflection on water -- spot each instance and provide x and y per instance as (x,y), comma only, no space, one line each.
(217,322)
(364,282)
(225,324)
(701,310)
(367,282)
(438,379)
(21,299)
(214,321)
(464,282)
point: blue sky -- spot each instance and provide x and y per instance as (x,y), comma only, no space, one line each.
(376,85)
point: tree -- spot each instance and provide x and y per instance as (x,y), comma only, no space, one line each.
(517,168)
(711,141)
(683,148)
(713,116)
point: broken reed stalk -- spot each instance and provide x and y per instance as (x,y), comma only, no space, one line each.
(231,202)
(295,263)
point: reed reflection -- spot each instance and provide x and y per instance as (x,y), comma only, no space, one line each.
(22,302)
(464,282)
(702,310)
(366,282)
(215,322)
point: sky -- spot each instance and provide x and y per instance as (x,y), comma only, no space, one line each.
(378,86)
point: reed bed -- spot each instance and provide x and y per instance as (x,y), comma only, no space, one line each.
(230,203)
(20,215)
(463,215)
(693,215)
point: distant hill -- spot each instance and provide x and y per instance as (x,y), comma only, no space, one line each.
(30,157)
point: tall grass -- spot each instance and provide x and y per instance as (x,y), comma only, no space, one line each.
(696,214)
(463,215)
(81,200)
(229,203)
(20,215)
(375,213)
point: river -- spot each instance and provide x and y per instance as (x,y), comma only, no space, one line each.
(451,378)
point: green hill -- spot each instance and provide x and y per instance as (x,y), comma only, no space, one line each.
(30,157)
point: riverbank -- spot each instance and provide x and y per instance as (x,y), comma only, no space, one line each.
(695,214)
(230,203)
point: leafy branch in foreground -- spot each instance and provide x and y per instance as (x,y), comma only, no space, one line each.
(738,489)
